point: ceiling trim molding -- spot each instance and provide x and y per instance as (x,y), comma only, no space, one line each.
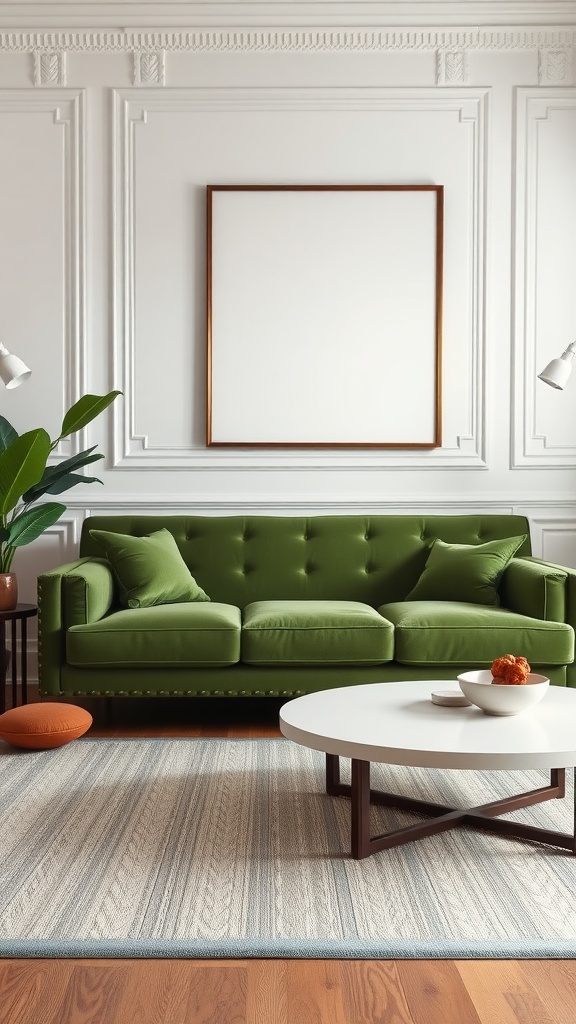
(180,13)
(291,39)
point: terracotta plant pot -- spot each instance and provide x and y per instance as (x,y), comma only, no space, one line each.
(8,591)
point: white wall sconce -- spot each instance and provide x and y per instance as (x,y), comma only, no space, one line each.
(557,372)
(13,371)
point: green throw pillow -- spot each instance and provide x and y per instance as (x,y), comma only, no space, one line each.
(465,572)
(149,570)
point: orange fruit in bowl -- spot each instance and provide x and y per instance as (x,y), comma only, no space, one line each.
(510,670)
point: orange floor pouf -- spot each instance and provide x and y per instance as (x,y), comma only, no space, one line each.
(44,726)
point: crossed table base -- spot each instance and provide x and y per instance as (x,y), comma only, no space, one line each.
(483,817)
(396,723)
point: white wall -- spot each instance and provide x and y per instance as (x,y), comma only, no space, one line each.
(114,117)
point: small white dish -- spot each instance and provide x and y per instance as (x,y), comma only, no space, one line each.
(450,698)
(500,698)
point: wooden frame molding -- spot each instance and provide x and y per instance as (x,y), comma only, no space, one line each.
(308,288)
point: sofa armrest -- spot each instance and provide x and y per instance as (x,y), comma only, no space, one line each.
(535,588)
(570,617)
(76,593)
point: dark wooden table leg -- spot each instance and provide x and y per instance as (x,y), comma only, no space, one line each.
(574,812)
(558,778)
(332,774)
(14,662)
(360,795)
(3,666)
(24,662)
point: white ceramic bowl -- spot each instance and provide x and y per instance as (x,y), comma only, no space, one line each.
(499,698)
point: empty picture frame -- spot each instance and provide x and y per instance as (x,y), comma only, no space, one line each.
(324,307)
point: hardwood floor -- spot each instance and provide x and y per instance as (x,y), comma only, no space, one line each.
(84,991)
(286,992)
(273,991)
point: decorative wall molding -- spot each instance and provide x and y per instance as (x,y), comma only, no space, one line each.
(546,531)
(529,448)
(555,47)
(556,66)
(303,40)
(133,450)
(68,110)
(451,67)
(149,67)
(553,513)
(67,530)
(109,503)
(49,67)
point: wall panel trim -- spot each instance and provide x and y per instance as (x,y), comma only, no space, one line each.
(68,109)
(529,448)
(133,451)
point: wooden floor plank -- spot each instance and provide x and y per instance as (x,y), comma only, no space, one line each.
(504,992)
(267,991)
(555,983)
(90,994)
(435,993)
(155,992)
(32,989)
(216,993)
(314,993)
(373,993)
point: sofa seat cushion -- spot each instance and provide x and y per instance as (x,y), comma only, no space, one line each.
(452,633)
(315,633)
(183,635)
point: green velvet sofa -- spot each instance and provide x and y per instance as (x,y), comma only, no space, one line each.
(299,604)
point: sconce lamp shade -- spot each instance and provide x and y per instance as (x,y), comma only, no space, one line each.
(13,371)
(557,372)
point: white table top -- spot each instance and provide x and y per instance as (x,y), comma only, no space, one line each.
(396,723)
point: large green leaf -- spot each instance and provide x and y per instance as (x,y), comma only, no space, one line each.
(76,461)
(7,433)
(84,411)
(22,464)
(71,480)
(54,473)
(32,523)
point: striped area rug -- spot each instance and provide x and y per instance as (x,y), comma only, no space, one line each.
(231,848)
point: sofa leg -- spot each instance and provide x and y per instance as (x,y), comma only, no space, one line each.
(109,717)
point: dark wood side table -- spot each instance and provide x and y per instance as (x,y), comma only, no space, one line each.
(20,614)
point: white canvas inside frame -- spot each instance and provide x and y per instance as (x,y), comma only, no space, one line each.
(323,320)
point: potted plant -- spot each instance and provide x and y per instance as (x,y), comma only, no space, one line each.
(25,476)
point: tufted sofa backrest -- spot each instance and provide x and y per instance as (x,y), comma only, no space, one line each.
(374,559)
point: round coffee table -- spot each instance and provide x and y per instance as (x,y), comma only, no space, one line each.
(396,723)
